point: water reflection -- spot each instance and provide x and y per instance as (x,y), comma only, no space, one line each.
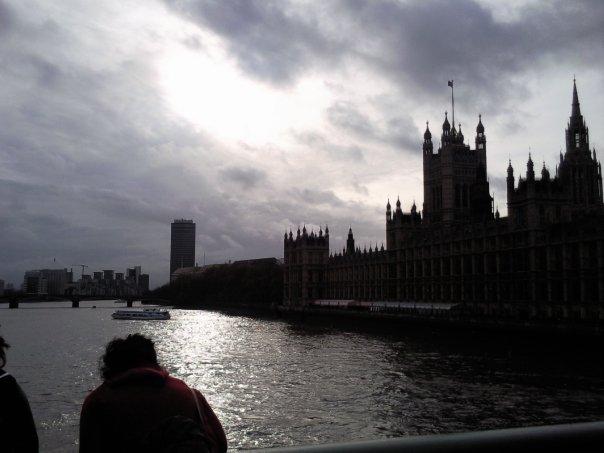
(275,383)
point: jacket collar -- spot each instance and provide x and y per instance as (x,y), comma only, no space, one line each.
(142,375)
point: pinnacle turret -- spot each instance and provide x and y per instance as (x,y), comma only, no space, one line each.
(446,124)
(530,172)
(576,108)
(480,127)
(427,134)
(544,173)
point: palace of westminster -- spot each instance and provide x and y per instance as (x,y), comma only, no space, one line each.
(544,260)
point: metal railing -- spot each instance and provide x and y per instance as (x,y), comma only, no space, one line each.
(576,437)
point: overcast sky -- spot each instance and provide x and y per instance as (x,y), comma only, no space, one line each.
(254,116)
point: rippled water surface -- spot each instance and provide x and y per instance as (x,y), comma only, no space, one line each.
(275,383)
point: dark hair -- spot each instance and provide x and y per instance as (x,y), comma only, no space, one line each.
(122,354)
(3,347)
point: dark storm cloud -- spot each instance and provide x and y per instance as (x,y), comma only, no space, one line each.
(6,18)
(271,40)
(316,197)
(359,188)
(247,178)
(346,116)
(400,132)
(417,44)
(319,142)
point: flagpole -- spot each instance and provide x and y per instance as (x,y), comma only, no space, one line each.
(453,103)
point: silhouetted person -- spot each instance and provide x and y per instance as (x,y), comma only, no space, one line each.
(17,429)
(139,407)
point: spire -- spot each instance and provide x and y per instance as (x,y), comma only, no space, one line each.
(388,211)
(460,136)
(427,134)
(530,172)
(350,242)
(544,173)
(510,168)
(398,204)
(480,127)
(576,110)
(446,125)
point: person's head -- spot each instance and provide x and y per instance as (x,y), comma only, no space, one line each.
(122,354)
(3,347)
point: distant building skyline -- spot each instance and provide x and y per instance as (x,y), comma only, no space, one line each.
(182,244)
(59,282)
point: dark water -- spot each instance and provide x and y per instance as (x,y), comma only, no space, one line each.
(274,383)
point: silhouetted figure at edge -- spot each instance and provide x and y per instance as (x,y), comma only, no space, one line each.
(140,408)
(17,429)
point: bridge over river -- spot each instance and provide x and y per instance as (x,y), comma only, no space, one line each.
(75,299)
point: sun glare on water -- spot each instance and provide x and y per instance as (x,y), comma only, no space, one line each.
(213,94)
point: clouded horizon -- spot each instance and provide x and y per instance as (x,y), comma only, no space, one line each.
(251,117)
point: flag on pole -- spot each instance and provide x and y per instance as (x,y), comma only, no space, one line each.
(450,83)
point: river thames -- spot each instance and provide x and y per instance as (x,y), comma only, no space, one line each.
(276,383)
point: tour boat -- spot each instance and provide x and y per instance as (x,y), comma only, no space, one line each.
(145,313)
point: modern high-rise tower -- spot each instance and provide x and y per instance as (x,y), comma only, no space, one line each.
(182,249)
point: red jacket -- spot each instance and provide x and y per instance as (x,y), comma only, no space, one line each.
(122,409)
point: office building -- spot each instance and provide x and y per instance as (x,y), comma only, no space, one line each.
(182,245)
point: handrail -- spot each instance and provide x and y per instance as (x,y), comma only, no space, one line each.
(576,437)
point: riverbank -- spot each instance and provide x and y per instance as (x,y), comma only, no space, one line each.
(409,320)
(453,322)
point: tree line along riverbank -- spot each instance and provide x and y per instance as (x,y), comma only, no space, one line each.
(237,284)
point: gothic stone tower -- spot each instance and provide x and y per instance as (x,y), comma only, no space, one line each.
(305,259)
(455,179)
(579,170)
(575,188)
